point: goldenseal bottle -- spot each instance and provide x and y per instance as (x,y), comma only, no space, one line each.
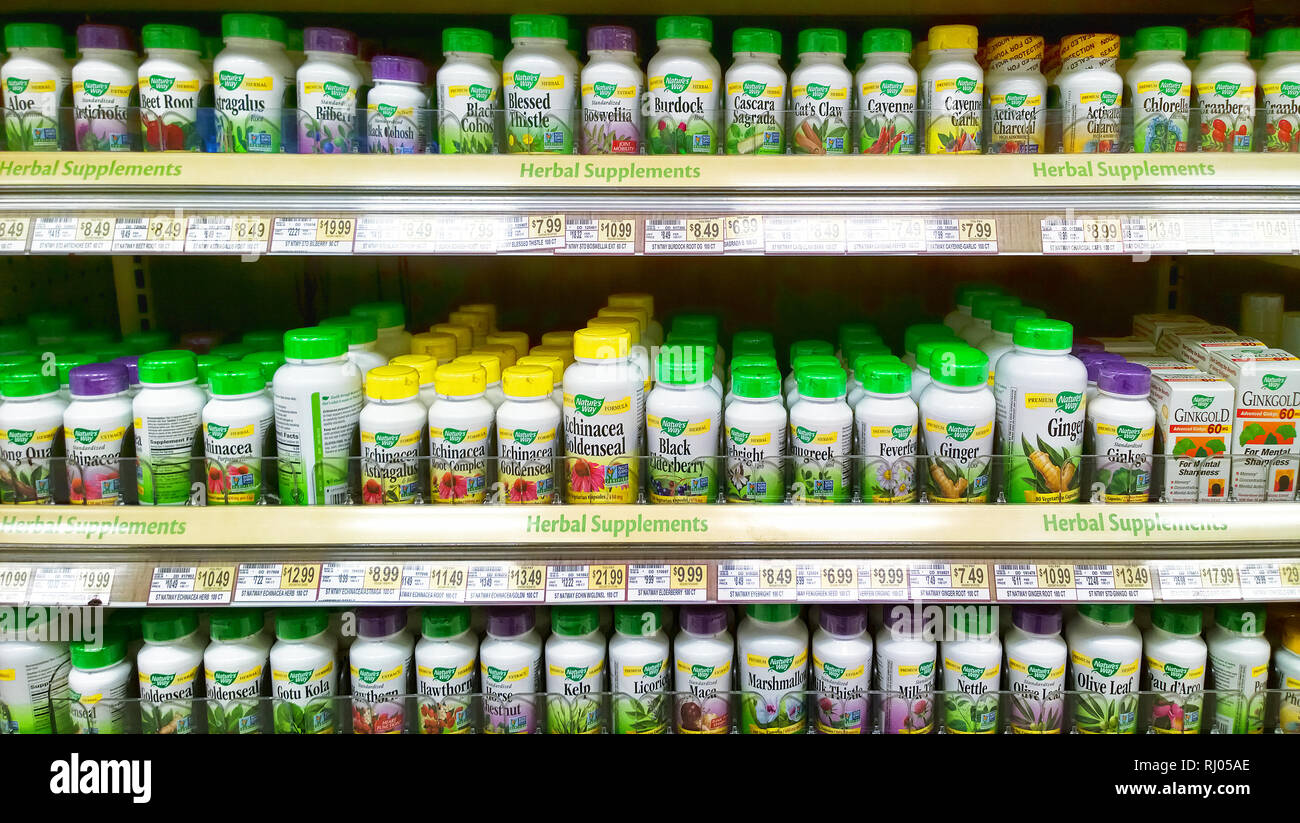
(528,428)
(773,652)
(755,94)
(1105,660)
(392,436)
(1225,90)
(99,685)
(169,668)
(31,434)
(603,399)
(1092,94)
(510,666)
(613,89)
(381,663)
(304,672)
(756,422)
(97,434)
(886,94)
(328,85)
(684,85)
(104,95)
(236,668)
(972,656)
(821,437)
(469,93)
(1279,83)
(957,409)
(37,83)
(34,688)
(904,672)
(886,419)
(952,92)
(460,432)
(1036,657)
(575,671)
(168,412)
(1160,85)
(174,89)
(703,654)
(237,425)
(820,94)
(639,671)
(683,419)
(842,652)
(1121,433)
(540,80)
(1239,655)
(396,107)
(446,670)
(1017,95)
(1175,669)
(253,85)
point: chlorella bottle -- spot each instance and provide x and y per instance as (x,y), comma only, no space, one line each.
(541,86)
(886,94)
(613,87)
(886,420)
(773,654)
(683,98)
(104,94)
(328,85)
(1160,86)
(683,418)
(1036,657)
(469,93)
(952,92)
(460,430)
(1239,655)
(821,437)
(1017,95)
(755,94)
(174,86)
(603,394)
(168,411)
(820,94)
(957,411)
(1225,90)
(756,422)
(1175,669)
(237,425)
(842,651)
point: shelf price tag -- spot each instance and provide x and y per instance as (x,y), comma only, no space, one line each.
(680,235)
(71,586)
(191,585)
(83,235)
(665,583)
(950,235)
(361,582)
(13,233)
(226,234)
(505,582)
(395,234)
(1121,582)
(586,584)
(1155,234)
(1252,234)
(467,233)
(883,581)
(949,581)
(1269,580)
(14,582)
(750,581)
(590,235)
(1204,580)
(827,581)
(1034,582)
(820,234)
(313,235)
(884,235)
(433,583)
(532,232)
(162,234)
(1087,235)
(742,233)
(277,583)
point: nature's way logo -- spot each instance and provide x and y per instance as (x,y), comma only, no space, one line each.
(16,85)
(386,110)
(604,90)
(21,437)
(496,675)
(1104,667)
(95,88)
(1039,673)
(1175,672)
(971,672)
(672,427)
(701,672)
(224,678)
(960,432)
(652,669)
(300,677)
(526,79)
(1014,100)
(1273,382)
(1128,433)
(85,436)
(753,88)
(1226,89)
(229,80)
(480,93)
(1170,87)
(925,668)
(739,437)
(443,674)
(588,406)
(676,83)
(161,681)
(524,437)
(966,85)
(779,664)
(368,676)
(1068,401)
(217,432)
(1202,401)
(336,90)
(454,436)
(890,88)
(1291,89)
(1109,97)
(386,440)
(901,432)
(832,671)
(158,82)
(804,435)
(575,673)
(817,90)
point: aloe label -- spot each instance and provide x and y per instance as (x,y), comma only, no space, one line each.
(31,116)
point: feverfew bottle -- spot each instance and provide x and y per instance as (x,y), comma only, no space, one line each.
(952,92)
(382,665)
(31,433)
(638,670)
(510,668)
(540,80)
(575,671)
(528,427)
(396,108)
(37,81)
(446,670)
(603,396)
(1017,95)
(96,428)
(773,653)
(886,94)
(174,86)
(957,410)
(1105,659)
(904,672)
(1160,85)
(820,94)
(469,93)
(253,85)
(237,424)
(392,436)
(683,419)
(613,88)
(1279,83)
(104,89)
(304,672)
(756,421)
(1225,90)
(821,437)
(1092,93)
(237,672)
(1239,655)
(842,651)
(886,421)
(684,89)
(460,425)
(1175,669)
(168,412)
(1121,433)
(328,84)
(1035,656)
(169,671)
(755,94)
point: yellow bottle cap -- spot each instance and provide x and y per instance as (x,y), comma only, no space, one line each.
(636,300)
(627,324)
(457,379)
(489,363)
(601,343)
(626,311)
(506,354)
(558,338)
(527,381)
(480,323)
(550,361)
(424,365)
(1089,46)
(1291,635)
(518,340)
(490,309)
(392,383)
(464,335)
(438,345)
(565,353)
(953,37)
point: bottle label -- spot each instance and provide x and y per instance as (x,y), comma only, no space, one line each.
(703,700)
(234,700)
(1017,123)
(1289,718)
(1227,115)
(169,112)
(611,118)
(390,466)
(101,713)
(31,113)
(327,118)
(249,112)
(314,437)
(954,115)
(94,465)
(445,694)
(842,697)
(25,472)
(164,444)
(467,118)
(822,471)
(754,118)
(888,111)
(1282,116)
(821,117)
(683,459)
(1043,436)
(1242,695)
(1179,697)
(970,700)
(526,464)
(377,705)
(640,697)
(393,129)
(234,462)
(539,112)
(507,698)
(959,460)
(600,440)
(572,698)
(304,700)
(1108,699)
(459,463)
(101,111)
(906,704)
(1037,697)
(755,468)
(167,702)
(1090,122)
(888,462)
(1123,462)
(26,706)
(772,699)
(1161,114)
(683,115)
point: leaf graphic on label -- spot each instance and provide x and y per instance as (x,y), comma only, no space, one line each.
(672,427)
(890,88)
(526,79)
(701,672)
(604,90)
(1038,672)
(832,671)
(16,85)
(299,677)
(901,432)
(779,663)
(1170,87)
(966,85)
(1128,433)
(454,436)
(95,88)
(21,437)
(971,672)
(1224,88)
(1068,401)
(524,437)
(386,110)
(959,432)
(652,669)
(1273,382)
(224,678)
(1175,672)
(753,88)
(817,90)
(575,673)
(1014,100)
(229,80)
(1104,667)
(217,432)
(158,82)
(676,83)
(1291,89)
(85,436)
(161,681)
(368,676)
(588,406)
(443,674)
(1109,97)
(925,668)
(480,93)
(804,435)
(1202,401)
(737,436)
(496,675)
(387,441)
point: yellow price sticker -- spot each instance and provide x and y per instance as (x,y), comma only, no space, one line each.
(546,225)
(15,578)
(839,576)
(299,575)
(1218,576)
(694,576)
(776,576)
(1129,576)
(1290,574)
(977,229)
(891,576)
(526,578)
(165,229)
(95,228)
(703,230)
(1055,576)
(744,226)
(94,581)
(250,229)
(1102,229)
(616,231)
(214,578)
(970,575)
(384,576)
(14,229)
(447,578)
(606,578)
(335,229)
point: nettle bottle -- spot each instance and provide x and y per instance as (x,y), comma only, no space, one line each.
(842,651)
(236,668)
(603,399)
(392,338)
(33,675)
(173,86)
(1160,85)
(773,652)
(703,652)
(169,671)
(397,106)
(1239,655)
(540,79)
(755,94)
(381,663)
(1225,90)
(821,437)
(683,418)
(1175,669)
(613,90)
(972,657)
(392,436)
(168,412)
(31,434)
(327,87)
(638,671)
(99,685)
(904,672)
(37,83)
(1286,661)
(1036,656)
(820,95)
(1105,660)
(253,85)
(528,427)
(1121,433)
(999,342)
(510,666)
(1279,83)
(886,419)
(1041,413)
(304,672)
(1092,93)
(446,670)
(886,86)
(575,671)
(1017,95)
(96,430)
(952,92)
(460,429)
(684,89)
(104,95)
(469,93)
(237,425)
(756,422)
(957,409)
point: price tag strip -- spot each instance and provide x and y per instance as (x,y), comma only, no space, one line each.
(949,581)
(951,235)
(1120,582)
(743,234)
(313,235)
(360,582)
(804,235)
(665,583)
(751,581)
(827,581)
(162,234)
(1197,580)
(395,234)
(532,233)
(1252,234)
(505,583)
(277,583)
(14,232)
(1156,234)
(71,586)
(73,235)
(884,235)
(1263,580)
(1082,235)
(14,583)
(683,236)
(883,581)
(192,585)
(433,582)
(466,233)
(226,234)
(593,235)
(586,584)
(1034,582)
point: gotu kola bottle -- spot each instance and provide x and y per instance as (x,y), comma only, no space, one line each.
(683,417)
(603,398)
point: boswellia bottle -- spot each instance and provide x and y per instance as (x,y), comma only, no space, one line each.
(842,650)
(1160,85)
(328,84)
(575,671)
(1036,655)
(957,410)
(756,422)
(104,89)
(236,429)
(952,92)
(1121,433)
(528,426)
(1225,90)
(304,672)
(446,664)
(1239,655)
(773,649)
(821,437)
(540,79)
(510,667)
(31,434)
(237,672)
(168,667)
(703,653)
(755,94)
(1017,95)
(381,663)
(37,82)
(168,411)
(820,94)
(972,657)
(1105,659)
(904,672)
(1175,669)
(96,428)
(469,93)
(1279,83)
(1092,93)
(174,86)
(613,87)
(253,84)
(395,107)
(392,436)
(886,94)
(460,434)
(603,396)
(684,89)
(638,670)
(683,417)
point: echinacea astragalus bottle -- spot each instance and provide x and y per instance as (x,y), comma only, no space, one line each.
(392,436)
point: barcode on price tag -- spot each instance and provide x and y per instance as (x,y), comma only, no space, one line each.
(467,233)
(743,233)
(950,235)
(191,585)
(224,234)
(586,584)
(804,235)
(591,235)
(684,583)
(505,583)
(884,235)
(71,586)
(750,581)
(14,582)
(1156,234)
(680,235)
(162,234)
(1269,579)
(1191,580)
(532,233)
(313,235)
(395,234)
(1252,234)
(277,582)
(13,233)
(433,582)
(81,235)
(1082,235)
(827,581)
(1121,582)
(949,581)
(1034,582)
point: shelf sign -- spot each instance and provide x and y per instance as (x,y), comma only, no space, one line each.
(192,585)
(597,236)
(1086,235)
(1035,582)
(228,234)
(162,234)
(313,235)
(683,236)
(1198,580)
(743,233)
(883,581)
(827,581)
(884,235)
(1119,582)
(395,234)
(1156,234)
(1263,580)
(821,235)
(505,583)
(532,232)
(360,582)
(277,583)
(14,232)
(949,581)
(433,582)
(73,235)
(71,586)
(750,581)
(14,582)
(950,235)
(586,584)
(1252,234)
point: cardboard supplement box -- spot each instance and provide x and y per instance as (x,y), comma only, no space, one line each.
(1193,423)
(1196,348)
(1266,452)
(1127,345)
(1149,326)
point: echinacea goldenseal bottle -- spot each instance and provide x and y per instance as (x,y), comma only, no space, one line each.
(603,396)
(756,94)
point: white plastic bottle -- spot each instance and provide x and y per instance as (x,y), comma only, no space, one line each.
(253,85)
(957,411)
(639,354)
(1160,85)
(173,86)
(99,685)
(613,90)
(491,366)
(756,98)
(169,669)
(469,93)
(304,673)
(886,88)
(972,672)
(683,420)
(999,341)
(540,82)
(1239,655)
(104,89)
(603,399)
(639,674)
(927,350)
(446,670)
(654,330)
(528,427)
(425,369)
(1036,657)
(886,421)
(575,671)
(821,437)
(33,675)
(756,426)
(168,412)
(1121,433)
(556,366)
(952,92)
(1105,660)
(96,430)
(842,653)
(31,434)
(328,85)
(1225,90)
(396,107)
(703,652)
(392,338)
(510,664)
(684,83)
(460,435)
(1286,661)
(1092,93)
(317,412)
(392,436)
(1016,95)
(1175,669)
(37,81)
(966,292)
(1279,83)
(820,94)
(381,663)
(237,425)
(772,647)
(904,672)
(236,668)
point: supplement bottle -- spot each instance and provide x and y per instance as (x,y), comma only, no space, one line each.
(654,330)
(1041,413)
(33,675)
(237,671)
(821,437)
(1092,362)
(684,81)
(556,366)
(99,685)
(1239,656)
(886,421)
(804,348)
(1175,669)
(168,412)
(957,411)
(1121,433)
(755,94)
(328,85)
(1092,93)
(982,307)
(304,672)
(37,82)
(952,92)
(528,426)
(392,436)
(460,427)
(603,399)
(31,434)
(1160,86)
(237,425)
(469,93)
(1225,90)
(1279,83)
(575,671)
(446,670)
(756,422)
(390,322)
(540,78)
(97,434)
(1017,95)
(683,419)
(773,652)
(640,354)
(203,365)
(860,357)
(966,292)
(1105,659)
(253,85)
(478,323)
(904,672)
(381,663)
(999,341)
(64,364)
(914,334)
(926,351)
(174,88)
(441,347)
(1036,655)
(613,88)
(886,94)
(491,366)
(820,96)
(638,670)
(425,368)
(1286,661)
(842,651)
(317,412)
(104,96)
(510,666)
(169,669)
(972,657)
(397,106)
(703,651)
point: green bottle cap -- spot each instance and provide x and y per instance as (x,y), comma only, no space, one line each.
(254,26)
(684,28)
(883,375)
(1225,38)
(927,349)
(387,314)
(204,364)
(65,363)
(685,365)
(859,350)
(1245,619)
(361,329)
(234,378)
(9,360)
(1284,39)
(28,380)
(320,343)
(804,361)
(697,325)
(973,620)
(915,333)
(1043,334)
(832,41)
(235,624)
(90,340)
(898,41)
(467,40)
(263,340)
(33,36)
(167,366)
(165,36)
(821,381)
(143,342)
(238,351)
(268,361)
(108,651)
(162,625)
(572,621)
(1005,317)
(211,46)
(1161,38)
(293,39)
(1176,619)
(761,41)
(551,26)
(444,621)
(1115,614)
(799,348)
(772,612)
(962,367)
(638,621)
(298,623)
(982,306)
(750,341)
(967,291)
(756,382)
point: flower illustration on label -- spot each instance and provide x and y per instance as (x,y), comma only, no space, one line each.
(217,432)
(753,88)
(1224,88)
(604,90)
(738,437)
(901,432)
(672,427)
(1272,382)
(386,110)
(454,436)
(817,90)
(1202,401)
(1068,401)
(965,85)
(960,431)
(575,673)
(524,437)
(95,88)
(1109,97)
(1170,87)
(890,88)
(779,663)
(588,406)
(85,436)
(1104,667)
(157,82)
(676,83)
(229,81)
(1014,100)
(526,79)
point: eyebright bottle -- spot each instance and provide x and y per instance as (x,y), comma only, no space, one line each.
(773,650)
(528,428)
(1161,87)
(886,94)
(460,435)
(820,97)
(31,434)
(952,92)
(683,418)
(510,666)
(603,397)
(469,93)
(392,436)
(104,93)
(174,87)
(540,80)
(756,94)
(446,670)
(842,650)
(756,427)
(1225,90)
(613,88)
(1279,82)
(328,85)
(684,97)
(1175,669)
(1036,657)
(236,428)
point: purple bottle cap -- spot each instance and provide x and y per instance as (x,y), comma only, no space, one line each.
(98,379)
(404,69)
(709,619)
(129,362)
(323,38)
(1081,346)
(101,36)
(1124,378)
(380,621)
(1037,619)
(509,621)
(1092,359)
(611,38)
(843,619)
